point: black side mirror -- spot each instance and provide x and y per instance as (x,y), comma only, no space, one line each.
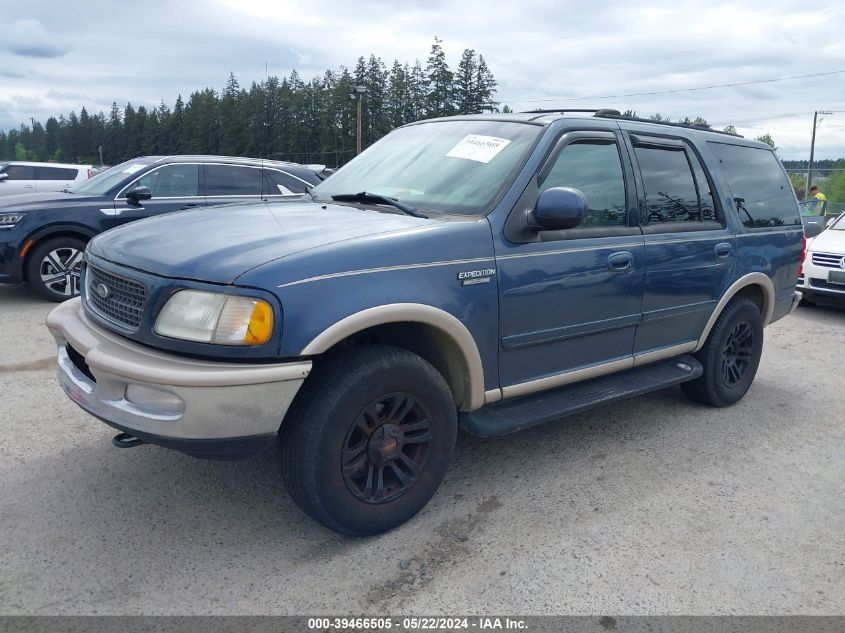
(559,208)
(139,193)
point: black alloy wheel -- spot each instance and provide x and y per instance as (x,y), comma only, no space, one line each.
(368,438)
(730,355)
(737,353)
(387,447)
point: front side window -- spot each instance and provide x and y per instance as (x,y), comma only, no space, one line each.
(456,167)
(56,173)
(20,172)
(232,180)
(171,181)
(761,190)
(594,168)
(670,191)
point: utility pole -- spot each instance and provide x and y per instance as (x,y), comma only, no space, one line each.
(816,121)
(358,93)
(100,148)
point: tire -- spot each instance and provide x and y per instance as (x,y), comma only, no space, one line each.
(730,356)
(368,410)
(53,267)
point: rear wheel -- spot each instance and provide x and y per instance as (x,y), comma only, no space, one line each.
(730,356)
(368,439)
(54,266)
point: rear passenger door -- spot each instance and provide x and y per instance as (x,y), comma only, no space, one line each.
(55,178)
(689,247)
(228,184)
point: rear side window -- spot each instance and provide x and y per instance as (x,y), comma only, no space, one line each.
(594,168)
(232,180)
(56,173)
(762,193)
(670,188)
(20,172)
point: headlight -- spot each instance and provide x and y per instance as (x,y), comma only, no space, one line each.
(210,317)
(8,220)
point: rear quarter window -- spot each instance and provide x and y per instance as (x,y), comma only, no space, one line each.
(760,188)
(56,173)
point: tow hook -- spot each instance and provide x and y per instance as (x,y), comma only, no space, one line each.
(124,440)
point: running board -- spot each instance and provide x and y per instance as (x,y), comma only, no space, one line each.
(509,416)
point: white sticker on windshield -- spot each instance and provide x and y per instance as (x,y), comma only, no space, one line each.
(133,168)
(479,148)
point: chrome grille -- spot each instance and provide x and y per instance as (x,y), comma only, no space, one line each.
(828,260)
(124,300)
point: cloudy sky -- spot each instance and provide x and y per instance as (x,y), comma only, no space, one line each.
(58,56)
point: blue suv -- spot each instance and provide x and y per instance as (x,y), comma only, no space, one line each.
(43,235)
(486,272)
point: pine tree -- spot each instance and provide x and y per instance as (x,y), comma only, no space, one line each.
(439,83)
(467,94)
(417,92)
(397,103)
(485,87)
(231,119)
(177,128)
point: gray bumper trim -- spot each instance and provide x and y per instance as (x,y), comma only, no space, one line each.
(179,398)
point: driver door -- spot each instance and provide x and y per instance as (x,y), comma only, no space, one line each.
(570,300)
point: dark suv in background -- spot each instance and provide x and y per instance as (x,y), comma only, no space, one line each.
(43,236)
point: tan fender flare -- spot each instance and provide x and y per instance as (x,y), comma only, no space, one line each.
(412,313)
(752,279)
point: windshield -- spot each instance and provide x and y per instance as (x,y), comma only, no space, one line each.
(838,224)
(447,166)
(101,183)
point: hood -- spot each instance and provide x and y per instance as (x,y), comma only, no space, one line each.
(828,241)
(218,244)
(43,201)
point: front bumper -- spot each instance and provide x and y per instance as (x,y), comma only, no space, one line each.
(818,286)
(205,408)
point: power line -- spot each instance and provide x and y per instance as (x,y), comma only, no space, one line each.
(666,92)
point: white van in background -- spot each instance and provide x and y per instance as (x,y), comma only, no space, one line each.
(25,177)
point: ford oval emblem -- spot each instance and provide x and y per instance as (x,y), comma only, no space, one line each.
(102,290)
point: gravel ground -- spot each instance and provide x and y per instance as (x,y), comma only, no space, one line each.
(653,505)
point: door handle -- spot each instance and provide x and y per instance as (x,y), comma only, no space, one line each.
(722,250)
(621,261)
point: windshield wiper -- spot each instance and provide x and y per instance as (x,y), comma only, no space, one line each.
(375,198)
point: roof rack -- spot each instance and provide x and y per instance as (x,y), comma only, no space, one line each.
(595,111)
(609,113)
(614,114)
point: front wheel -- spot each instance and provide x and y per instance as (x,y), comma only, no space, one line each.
(730,356)
(53,268)
(368,439)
